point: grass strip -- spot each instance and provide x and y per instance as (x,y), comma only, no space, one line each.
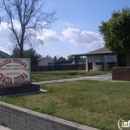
(93,103)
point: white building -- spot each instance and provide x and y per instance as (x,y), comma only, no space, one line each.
(45,61)
(4,55)
(104,59)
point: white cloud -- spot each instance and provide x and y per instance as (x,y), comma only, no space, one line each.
(68,24)
(4,31)
(4,50)
(78,37)
(48,36)
(84,37)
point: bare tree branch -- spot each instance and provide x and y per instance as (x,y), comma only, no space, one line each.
(30,16)
(1,18)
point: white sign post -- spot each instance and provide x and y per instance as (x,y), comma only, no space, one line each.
(14,71)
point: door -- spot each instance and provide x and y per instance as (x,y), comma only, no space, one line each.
(90,66)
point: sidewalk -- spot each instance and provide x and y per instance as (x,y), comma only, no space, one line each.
(104,77)
(4,128)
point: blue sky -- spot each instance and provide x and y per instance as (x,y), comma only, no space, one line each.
(76,28)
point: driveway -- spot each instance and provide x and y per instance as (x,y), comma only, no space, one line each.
(104,77)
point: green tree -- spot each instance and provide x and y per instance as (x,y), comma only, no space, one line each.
(30,16)
(61,59)
(31,53)
(55,58)
(15,52)
(70,57)
(116,31)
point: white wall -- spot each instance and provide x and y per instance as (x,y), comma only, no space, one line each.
(96,67)
(44,62)
(106,67)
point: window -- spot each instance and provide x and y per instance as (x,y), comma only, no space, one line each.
(111,64)
(98,63)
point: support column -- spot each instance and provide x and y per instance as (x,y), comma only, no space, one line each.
(76,62)
(86,63)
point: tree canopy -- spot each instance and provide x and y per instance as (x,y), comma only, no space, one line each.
(70,57)
(61,59)
(31,53)
(24,18)
(116,31)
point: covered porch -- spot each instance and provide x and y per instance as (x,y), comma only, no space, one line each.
(103,59)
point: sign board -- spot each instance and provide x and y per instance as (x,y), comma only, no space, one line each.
(110,58)
(99,59)
(14,71)
(91,59)
(102,58)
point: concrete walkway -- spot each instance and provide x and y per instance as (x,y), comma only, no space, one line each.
(4,128)
(104,77)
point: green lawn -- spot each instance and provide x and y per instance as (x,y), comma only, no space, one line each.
(53,75)
(93,103)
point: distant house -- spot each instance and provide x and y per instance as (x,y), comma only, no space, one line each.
(4,55)
(50,64)
(42,64)
(45,61)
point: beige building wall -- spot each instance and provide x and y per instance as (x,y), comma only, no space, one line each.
(106,66)
(96,67)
